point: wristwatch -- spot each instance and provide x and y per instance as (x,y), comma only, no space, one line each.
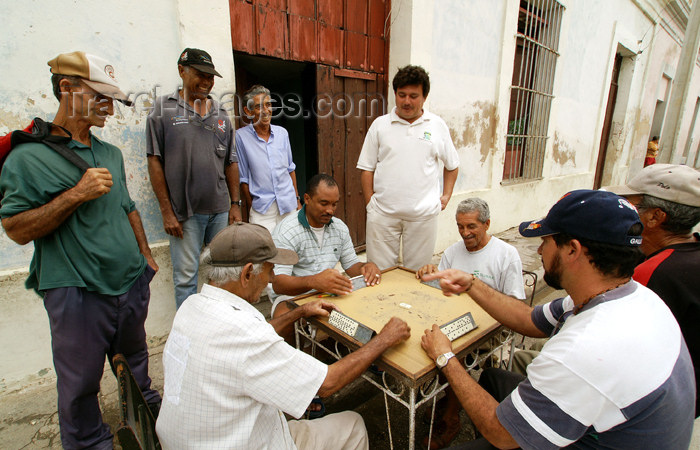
(441,360)
(237,202)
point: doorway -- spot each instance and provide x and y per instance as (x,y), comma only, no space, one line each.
(292,88)
(607,123)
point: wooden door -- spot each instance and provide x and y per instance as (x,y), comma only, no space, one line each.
(346,104)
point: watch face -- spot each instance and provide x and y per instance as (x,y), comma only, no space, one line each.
(441,361)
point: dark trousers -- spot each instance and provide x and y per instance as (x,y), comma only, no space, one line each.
(85,327)
(499,383)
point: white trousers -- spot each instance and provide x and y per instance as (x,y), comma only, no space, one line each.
(385,234)
(270,219)
(341,431)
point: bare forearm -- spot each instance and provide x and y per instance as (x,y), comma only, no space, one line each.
(283,321)
(513,313)
(293,175)
(290,285)
(367,183)
(139,233)
(355,269)
(160,187)
(245,195)
(232,180)
(449,178)
(39,222)
(479,405)
(342,372)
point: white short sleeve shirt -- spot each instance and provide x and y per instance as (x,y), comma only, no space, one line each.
(405,158)
(229,377)
(498,264)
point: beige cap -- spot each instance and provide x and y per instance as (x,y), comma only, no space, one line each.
(672,182)
(243,243)
(95,71)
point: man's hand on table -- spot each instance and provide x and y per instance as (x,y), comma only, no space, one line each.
(371,273)
(317,308)
(395,331)
(435,343)
(332,282)
(425,270)
(452,281)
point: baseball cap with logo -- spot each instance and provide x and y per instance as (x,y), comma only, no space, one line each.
(242,243)
(672,182)
(95,71)
(595,215)
(199,59)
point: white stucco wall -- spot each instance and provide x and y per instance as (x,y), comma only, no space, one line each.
(143,41)
(472,46)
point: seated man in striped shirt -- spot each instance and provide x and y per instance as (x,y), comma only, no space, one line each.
(321,241)
(594,384)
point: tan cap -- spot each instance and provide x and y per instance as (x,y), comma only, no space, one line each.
(672,182)
(95,71)
(243,243)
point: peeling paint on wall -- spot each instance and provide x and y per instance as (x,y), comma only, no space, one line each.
(479,127)
(562,152)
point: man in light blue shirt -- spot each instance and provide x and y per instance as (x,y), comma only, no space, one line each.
(267,172)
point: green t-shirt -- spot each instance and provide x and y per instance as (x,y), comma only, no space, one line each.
(95,247)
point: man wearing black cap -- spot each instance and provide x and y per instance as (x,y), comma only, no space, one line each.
(594,384)
(92,264)
(193,167)
(229,376)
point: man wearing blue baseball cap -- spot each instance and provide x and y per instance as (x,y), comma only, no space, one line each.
(593,385)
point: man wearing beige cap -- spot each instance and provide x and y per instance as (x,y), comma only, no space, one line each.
(92,264)
(668,199)
(229,376)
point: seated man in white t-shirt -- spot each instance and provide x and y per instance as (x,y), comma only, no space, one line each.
(491,260)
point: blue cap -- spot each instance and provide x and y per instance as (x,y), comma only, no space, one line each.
(595,215)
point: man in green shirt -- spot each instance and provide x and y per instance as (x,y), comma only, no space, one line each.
(92,264)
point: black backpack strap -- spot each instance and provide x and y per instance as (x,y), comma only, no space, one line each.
(41,132)
(69,154)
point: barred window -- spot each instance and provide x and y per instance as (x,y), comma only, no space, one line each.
(537,42)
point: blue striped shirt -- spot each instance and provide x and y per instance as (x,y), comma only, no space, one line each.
(294,233)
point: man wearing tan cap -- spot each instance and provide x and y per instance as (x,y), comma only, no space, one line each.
(92,264)
(229,376)
(193,167)
(668,199)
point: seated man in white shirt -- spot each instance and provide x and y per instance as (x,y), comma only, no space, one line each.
(491,260)
(229,376)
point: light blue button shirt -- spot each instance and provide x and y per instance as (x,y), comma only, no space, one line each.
(265,167)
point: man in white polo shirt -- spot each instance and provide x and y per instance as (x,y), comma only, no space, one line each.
(401,175)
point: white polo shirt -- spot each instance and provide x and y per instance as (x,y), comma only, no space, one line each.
(405,160)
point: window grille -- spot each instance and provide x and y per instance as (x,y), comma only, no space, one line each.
(536,53)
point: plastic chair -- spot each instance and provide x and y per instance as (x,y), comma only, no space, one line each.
(137,426)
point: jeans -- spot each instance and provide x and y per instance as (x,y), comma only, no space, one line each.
(198,230)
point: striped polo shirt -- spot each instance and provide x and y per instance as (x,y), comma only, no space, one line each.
(294,233)
(615,375)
